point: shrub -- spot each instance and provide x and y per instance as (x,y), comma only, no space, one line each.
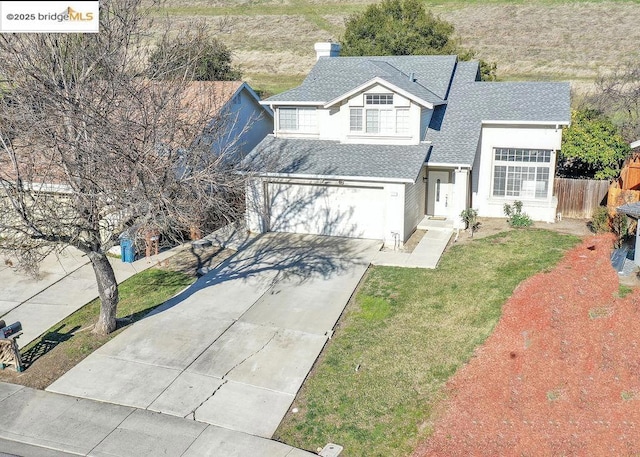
(600,220)
(470,218)
(620,228)
(515,216)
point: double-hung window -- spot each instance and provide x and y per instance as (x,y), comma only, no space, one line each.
(521,173)
(298,119)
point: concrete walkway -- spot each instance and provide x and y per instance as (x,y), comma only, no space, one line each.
(43,424)
(233,349)
(425,255)
(67,283)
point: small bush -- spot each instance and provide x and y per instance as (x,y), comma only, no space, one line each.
(600,220)
(620,228)
(470,218)
(515,217)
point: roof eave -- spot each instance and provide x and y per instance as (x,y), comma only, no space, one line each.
(449,165)
(522,122)
(291,103)
(629,211)
(336,177)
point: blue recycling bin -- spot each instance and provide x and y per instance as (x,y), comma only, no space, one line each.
(128,250)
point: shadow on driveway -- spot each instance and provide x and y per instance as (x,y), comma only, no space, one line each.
(273,257)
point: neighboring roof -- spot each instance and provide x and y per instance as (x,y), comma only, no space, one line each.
(333,77)
(630,209)
(635,144)
(455,131)
(332,159)
(216,94)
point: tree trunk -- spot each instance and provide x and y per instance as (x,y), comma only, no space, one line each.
(108,291)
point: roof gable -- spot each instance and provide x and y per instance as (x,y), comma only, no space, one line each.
(425,77)
(426,98)
(455,130)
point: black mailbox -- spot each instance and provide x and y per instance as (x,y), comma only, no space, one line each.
(6,332)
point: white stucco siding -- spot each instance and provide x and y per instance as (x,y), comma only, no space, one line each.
(256,212)
(413,205)
(331,123)
(516,136)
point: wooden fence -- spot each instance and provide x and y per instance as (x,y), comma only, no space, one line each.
(578,198)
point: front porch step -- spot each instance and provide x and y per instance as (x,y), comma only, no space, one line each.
(431,223)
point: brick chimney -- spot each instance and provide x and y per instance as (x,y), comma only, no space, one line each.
(327,50)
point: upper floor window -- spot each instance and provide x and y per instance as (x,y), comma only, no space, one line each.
(298,119)
(522,173)
(378,99)
(386,121)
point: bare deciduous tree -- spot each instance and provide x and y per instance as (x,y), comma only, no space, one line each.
(90,148)
(618,96)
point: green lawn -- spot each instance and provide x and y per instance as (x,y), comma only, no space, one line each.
(138,295)
(408,330)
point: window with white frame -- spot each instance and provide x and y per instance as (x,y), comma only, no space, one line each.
(402,121)
(379,117)
(378,99)
(298,119)
(355,120)
(521,173)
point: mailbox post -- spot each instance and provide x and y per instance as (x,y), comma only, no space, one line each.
(9,352)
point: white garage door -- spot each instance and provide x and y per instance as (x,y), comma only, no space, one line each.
(356,212)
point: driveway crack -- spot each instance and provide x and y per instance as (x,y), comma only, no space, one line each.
(193,412)
(251,355)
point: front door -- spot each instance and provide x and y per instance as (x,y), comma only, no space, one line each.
(439,193)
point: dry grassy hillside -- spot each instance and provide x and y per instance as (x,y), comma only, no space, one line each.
(273,40)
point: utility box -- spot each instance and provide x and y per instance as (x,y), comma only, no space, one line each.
(331,450)
(128,250)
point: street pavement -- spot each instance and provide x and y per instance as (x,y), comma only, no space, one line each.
(35,423)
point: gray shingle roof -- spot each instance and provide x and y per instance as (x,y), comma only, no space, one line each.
(332,77)
(455,130)
(287,156)
(630,209)
(462,104)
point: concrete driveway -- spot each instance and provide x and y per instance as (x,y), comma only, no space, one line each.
(233,349)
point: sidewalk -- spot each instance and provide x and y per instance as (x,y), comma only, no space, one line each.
(67,284)
(60,425)
(425,255)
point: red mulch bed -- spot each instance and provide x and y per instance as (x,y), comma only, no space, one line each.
(560,375)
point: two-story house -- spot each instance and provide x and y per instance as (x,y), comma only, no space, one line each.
(368,146)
